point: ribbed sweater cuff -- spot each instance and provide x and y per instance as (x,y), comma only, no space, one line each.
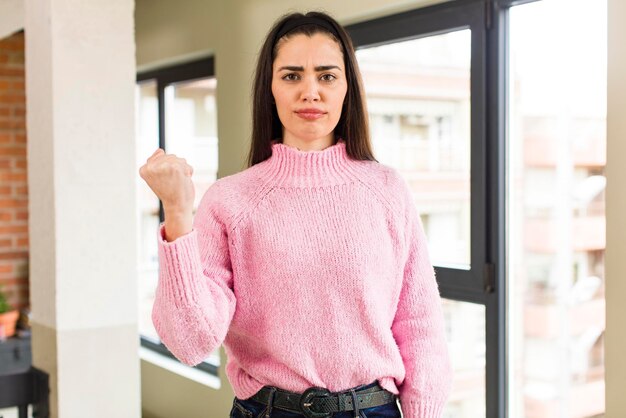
(180,260)
(422,408)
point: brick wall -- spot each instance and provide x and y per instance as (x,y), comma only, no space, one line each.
(13,178)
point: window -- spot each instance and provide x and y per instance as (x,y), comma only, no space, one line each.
(418,100)
(176,111)
(494,112)
(423,74)
(556,158)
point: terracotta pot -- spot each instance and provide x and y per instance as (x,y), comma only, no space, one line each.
(8,320)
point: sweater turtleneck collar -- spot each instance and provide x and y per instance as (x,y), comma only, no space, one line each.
(291,167)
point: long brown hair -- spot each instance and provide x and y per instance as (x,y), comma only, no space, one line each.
(266,126)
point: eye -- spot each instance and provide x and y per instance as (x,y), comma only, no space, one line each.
(290,77)
(328,77)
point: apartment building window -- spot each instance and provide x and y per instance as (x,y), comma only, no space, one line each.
(555,193)
(176,110)
(425,98)
(494,112)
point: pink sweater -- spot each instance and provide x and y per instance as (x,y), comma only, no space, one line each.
(313,270)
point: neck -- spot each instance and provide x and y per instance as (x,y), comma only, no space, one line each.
(309,145)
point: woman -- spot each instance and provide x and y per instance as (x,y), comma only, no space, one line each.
(310,266)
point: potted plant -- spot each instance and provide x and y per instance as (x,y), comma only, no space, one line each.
(8,317)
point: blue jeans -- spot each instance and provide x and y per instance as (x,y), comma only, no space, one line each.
(248,408)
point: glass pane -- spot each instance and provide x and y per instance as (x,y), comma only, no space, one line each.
(191,133)
(556,192)
(147,140)
(191,129)
(418,98)
(465,332)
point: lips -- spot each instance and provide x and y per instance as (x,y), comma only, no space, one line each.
(310,113)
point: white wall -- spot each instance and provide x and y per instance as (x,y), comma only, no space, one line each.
(615,341)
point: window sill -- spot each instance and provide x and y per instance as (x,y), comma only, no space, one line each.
(180,369)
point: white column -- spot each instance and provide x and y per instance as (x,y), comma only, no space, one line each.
(615,334)
(80,78)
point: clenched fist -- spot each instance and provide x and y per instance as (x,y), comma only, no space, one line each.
(169,177)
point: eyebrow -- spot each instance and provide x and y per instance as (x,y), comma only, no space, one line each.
(300,68)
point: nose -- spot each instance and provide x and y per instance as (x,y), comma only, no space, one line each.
(310,90)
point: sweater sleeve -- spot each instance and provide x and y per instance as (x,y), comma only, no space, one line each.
(194,302)
(418,327)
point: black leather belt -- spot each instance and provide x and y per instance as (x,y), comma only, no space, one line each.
(317,402)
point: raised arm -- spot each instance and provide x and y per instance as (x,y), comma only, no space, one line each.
(194,302)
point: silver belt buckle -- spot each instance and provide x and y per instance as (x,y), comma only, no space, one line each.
(306,402)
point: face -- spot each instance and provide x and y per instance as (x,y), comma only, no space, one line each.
(309,86)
